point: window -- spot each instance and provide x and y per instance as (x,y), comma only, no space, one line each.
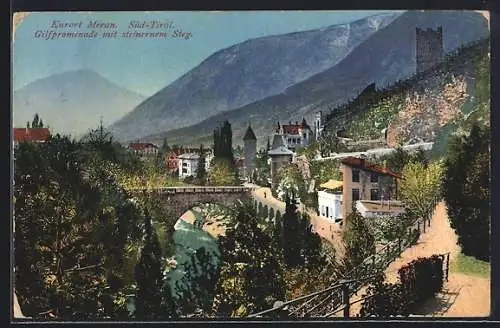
(374,194)
(327,212)
(184,171)
(184,164)
(355,175)
(374,177)
(355,194)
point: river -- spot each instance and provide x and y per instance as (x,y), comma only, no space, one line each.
(193,232)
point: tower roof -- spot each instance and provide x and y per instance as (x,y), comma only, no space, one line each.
(249,135)
(277,141)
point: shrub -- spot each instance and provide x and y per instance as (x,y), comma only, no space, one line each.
(420,280)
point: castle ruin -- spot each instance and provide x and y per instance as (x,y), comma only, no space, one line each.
(429,48)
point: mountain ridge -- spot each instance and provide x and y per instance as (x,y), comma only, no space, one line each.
(73,101)
(245,72)
(392,58)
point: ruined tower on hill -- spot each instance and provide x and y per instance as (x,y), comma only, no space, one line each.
(430,50)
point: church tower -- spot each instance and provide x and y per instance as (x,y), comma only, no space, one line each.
(250,151)
(429,48)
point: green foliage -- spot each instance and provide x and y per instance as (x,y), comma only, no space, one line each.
(370,123)
(74,225)
(291,182)
(301,246)
(421,188)
(222,173)
(261,173)
(359,241)
(329,143)
(470,266)
(151,301)
(420,280)
(195,291)
(223,143)
(322,171)
(251,278)
(201,172)
(291,230)
(466,191)
(389,300)
(37,122)
(397,160)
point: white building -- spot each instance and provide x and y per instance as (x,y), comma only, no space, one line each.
(188,164)
(295,135)
(330,200)
(371,208)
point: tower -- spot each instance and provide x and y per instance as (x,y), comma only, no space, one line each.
(317,124)
(429,48)
(250,151)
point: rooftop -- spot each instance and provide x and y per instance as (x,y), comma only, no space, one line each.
(383,206)
(249,135)
(365,165)
(142,145)
(331,184)
(31,134)
(281,150)
(189,156)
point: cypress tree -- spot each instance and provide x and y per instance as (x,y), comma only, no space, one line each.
(200,172)
(291,247)
(149,304)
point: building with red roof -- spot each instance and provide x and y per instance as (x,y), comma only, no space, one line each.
(364,180)
(144,149)
(30,134)
(296,134)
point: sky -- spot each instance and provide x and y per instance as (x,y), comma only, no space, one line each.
(149,64)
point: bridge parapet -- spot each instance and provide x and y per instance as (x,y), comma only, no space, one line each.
(194,189)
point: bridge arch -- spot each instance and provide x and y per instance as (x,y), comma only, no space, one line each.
(177,200)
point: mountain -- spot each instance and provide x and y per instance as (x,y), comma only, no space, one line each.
(384,58)
(244,73)
(72,102)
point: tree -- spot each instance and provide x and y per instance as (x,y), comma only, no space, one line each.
(291,182)
(35,122)
(358,240)
(149,304)
(221,174)
(195,291)
(291,230)
(201,172)
(310,244)
(251,277)
(466,191)
(74,225)
(421,187)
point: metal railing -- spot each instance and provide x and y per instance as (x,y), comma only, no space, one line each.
(331,300)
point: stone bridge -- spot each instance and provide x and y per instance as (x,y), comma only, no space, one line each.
(177,200)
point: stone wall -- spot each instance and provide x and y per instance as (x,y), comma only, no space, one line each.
(176,201)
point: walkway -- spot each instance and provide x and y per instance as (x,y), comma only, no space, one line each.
(462,295)
(325,228)
(378,151)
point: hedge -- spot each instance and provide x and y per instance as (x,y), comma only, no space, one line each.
(420,280)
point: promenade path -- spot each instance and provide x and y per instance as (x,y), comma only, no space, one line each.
(462,295)
(325,228)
